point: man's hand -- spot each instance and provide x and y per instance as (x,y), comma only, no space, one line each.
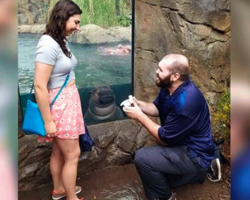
(134,111)
(136,101)
(147,108)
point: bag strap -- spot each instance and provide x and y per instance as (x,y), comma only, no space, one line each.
(53,101)
(65,83)
(31,91)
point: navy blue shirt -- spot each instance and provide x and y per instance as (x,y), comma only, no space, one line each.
(185,120)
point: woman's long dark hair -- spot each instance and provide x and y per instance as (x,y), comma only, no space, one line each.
(61,12)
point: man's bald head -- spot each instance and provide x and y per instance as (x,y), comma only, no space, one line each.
(176,63)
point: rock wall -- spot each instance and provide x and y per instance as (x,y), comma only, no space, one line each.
(115,144)
(198,29)
(33,11)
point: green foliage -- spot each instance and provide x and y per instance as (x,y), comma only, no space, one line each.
(46,7)
(221,118)
(124,20)
(102,12)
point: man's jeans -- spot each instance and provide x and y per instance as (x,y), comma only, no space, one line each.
(161,168)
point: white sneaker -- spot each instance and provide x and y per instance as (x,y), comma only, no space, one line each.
(173,197)
(214,172)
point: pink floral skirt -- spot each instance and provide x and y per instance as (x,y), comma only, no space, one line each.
(66,113)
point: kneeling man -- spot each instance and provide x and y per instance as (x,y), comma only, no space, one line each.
(185,148)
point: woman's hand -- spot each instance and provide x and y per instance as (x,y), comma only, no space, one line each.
(50,128)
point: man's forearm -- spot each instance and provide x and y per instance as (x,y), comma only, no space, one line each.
(148,108)
(151,127)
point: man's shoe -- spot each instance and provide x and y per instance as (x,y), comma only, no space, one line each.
(173,197)
(57,196)
(214,171)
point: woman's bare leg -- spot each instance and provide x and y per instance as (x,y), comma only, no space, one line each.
(56,166)
(71,152)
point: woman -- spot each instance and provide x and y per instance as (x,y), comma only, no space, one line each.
(64,121)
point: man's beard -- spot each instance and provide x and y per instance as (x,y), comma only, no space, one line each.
(165,83)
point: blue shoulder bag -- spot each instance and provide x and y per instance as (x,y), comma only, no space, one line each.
(33,122)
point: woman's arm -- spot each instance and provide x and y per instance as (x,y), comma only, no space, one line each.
(42,75)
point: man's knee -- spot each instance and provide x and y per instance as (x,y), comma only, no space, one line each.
(141,157)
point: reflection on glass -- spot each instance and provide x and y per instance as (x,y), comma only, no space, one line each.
(103,72)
